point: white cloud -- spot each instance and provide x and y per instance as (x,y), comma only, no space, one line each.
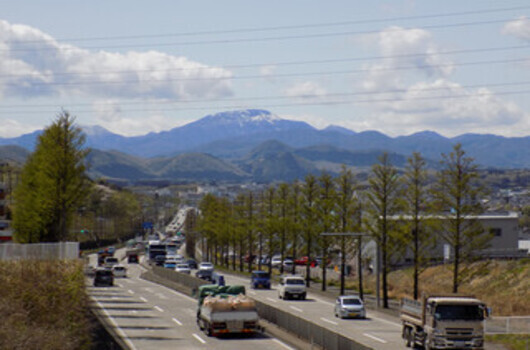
(267,70)
(450,109)
(520,28)
(399,47)
(12,128)
(407,101)
(35,64)
(306,90)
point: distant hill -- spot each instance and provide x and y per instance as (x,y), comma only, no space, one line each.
(231,135)
(13,154)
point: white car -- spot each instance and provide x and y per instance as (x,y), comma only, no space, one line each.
(183,268)
(276,261)
(119,271)
(206,266)
(292,286)
(349,306)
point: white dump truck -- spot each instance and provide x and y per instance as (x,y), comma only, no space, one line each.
(226,309)
(444,322)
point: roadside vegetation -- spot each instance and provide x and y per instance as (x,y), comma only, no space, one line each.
(503,285)
(43,305)
(511,341)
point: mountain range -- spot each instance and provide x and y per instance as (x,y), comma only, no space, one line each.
(257,145)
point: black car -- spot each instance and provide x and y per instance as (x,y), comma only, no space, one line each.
(206,275)
(103,277)
(192,263)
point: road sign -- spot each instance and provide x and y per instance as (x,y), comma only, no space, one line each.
(147,225)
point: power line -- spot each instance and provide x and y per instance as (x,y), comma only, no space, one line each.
(329,102)
(253,40)
(274,76)
(288,63)
(290,27)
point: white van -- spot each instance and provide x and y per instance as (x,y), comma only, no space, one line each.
(292,286)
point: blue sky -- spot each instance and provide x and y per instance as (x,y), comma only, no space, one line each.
(398,67)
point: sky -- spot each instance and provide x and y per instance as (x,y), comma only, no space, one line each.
(398,67)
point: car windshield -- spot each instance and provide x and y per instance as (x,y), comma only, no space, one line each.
(119,268)
(294,281)
(104,273)
(112,260)
(351,301)
(260,275)
(206,265)
(182,266)
(459,312)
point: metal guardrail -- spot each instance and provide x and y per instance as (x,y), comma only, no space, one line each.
(189,281)
(39,251)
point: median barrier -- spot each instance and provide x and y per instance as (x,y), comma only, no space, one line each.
(304,329)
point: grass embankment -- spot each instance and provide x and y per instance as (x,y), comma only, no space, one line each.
(503,285)
(511,341)
(43,305)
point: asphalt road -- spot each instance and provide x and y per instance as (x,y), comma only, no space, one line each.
(378,330)
(150,316)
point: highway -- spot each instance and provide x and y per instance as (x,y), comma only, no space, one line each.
(150,316)
(378,330)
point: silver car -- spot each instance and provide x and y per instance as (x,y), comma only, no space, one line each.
(349,306)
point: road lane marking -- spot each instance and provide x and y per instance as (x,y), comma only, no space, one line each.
(296,309)
(159,308)
(375,338)
(270,299)
(386,321)
(120,331)
(322,301)
(177,321)
(161,296)
(251,292)
(143,299)
(329,321)
(282,344)
(150,290)
(119,285)
(199,338)
(173,291)
(130,291)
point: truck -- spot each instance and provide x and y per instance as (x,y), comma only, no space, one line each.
(444,322)
(226,309)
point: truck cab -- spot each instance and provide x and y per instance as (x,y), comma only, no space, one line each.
(260,279)
(444,322)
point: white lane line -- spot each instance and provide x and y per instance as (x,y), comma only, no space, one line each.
(161,296)
(199,338)
(386,321)
(172,291)
(130,291)
(120,331)
(252,292)
(296,309)
(127,281)
(282,344)
(177,321)
(158,308)
(150,290)
(119,285)
(329,321)
(270,299)
(322,301)
(143,299)
(375,338)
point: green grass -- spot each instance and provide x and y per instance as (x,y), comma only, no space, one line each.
(511,341)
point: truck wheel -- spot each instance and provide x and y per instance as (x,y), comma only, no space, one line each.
(303,296)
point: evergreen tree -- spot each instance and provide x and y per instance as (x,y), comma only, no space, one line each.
(53,184)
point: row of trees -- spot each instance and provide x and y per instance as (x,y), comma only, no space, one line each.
(400,209)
